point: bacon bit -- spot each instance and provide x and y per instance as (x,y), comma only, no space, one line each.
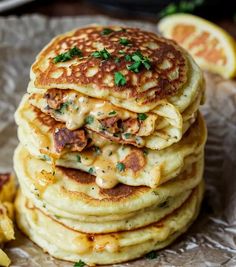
(135,160)
(111,124)
(4,178)
(131,126)
(74,140)
(54,98)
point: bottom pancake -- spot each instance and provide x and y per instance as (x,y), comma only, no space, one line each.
(65,243)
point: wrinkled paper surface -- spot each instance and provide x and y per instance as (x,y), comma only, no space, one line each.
(211,241)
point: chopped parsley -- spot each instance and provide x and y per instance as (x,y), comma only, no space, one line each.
(128,57)
(78,157)
(97,150)
(63,108)
(151,255)
(120,166)
(121,52)
(89,119)
(119,78)
(124,41)
(46,158)
(91,170)
(112,113)
(135,67)
(145,152)
(164,204)
(117,60)
(79,264)
(127,135)
(68,55)
(139,61)
(142,116)
(106,31)
(104,54)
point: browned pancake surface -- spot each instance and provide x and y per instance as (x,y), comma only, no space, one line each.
(166,76)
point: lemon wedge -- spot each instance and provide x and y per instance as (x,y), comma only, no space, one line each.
(212,47)
(4,260)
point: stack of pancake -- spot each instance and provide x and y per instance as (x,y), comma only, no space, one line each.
(111,151)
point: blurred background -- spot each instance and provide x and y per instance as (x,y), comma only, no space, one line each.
(221,12)
(148,10)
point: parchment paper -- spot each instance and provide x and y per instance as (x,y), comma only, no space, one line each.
(211,241)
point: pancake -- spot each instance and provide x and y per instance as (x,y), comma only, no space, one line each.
(73,193)
(65,243)
(157,129)
(104,158)
(135,76)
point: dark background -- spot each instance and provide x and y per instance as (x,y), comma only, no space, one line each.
(218,11)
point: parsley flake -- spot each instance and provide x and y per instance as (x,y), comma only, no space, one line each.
(91,170)
(120,166)
(124,41)
(63,108)
(78,157)
(112,113)
(89,119)
(106,31)
(128,57)
(79,264)
(97,150)
(151,255)
(139,61)
(68,55)
(127,135)
(164,204)
(120,79)
(104,54)
(117,60)
(46,158)
(142,116)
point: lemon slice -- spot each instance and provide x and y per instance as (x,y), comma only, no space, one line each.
(4,260)
(212,47)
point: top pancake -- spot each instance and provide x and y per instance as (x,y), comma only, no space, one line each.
(169,71)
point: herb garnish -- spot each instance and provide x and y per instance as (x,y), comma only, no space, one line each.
(121,52)
(112,113)
(127,135)
(120,166)
(128,57)
(79,264)
(151,255)
(145,152)
(139,61)
(164,204)
(104,54)
(142,116)
(97,150)
(106,31)
(124,41)
(89,119)
(63,107)
(46,158)
(117,60)
(68,55)
(119,78)
(78,157)
(91,170)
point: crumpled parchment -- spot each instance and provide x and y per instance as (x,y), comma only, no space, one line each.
(211,241)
